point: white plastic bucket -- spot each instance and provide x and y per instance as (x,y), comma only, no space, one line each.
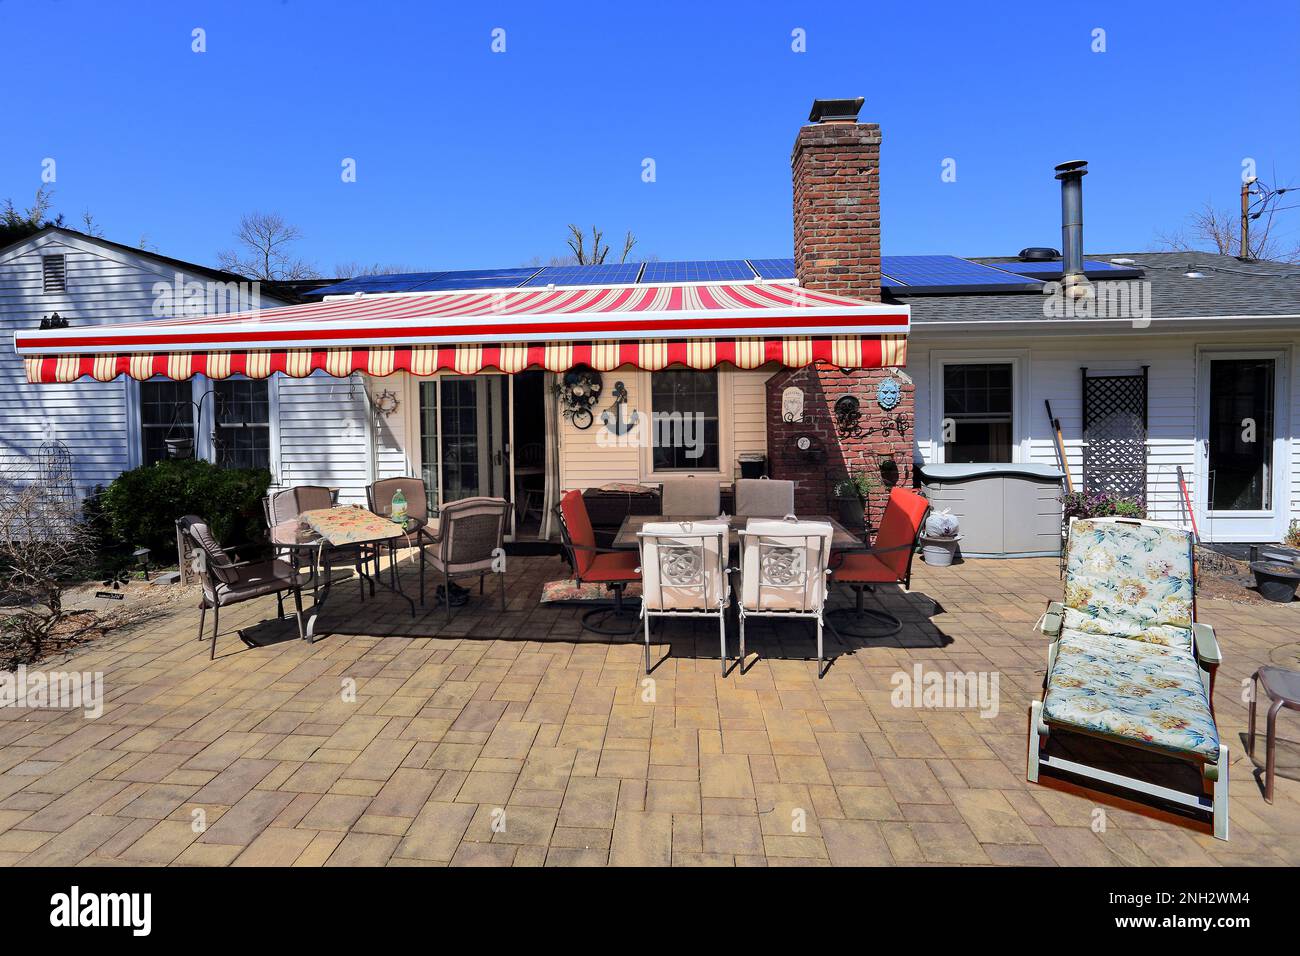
(939,552)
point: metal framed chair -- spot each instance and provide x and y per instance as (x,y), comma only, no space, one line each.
(684,573)
(889,561)
(282,510)
(784,567)
(469,543)
(764,498)
(700,497)
(226,581)
(608,566)
(420,531)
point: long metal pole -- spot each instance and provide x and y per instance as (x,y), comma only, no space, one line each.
(1244,252)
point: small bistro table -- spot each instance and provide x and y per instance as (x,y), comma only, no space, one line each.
(327,529)
(1282,688)
(842,539)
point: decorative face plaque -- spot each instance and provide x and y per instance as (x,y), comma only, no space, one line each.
(888,393)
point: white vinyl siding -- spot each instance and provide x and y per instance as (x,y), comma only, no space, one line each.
(318,428)
(1052,373)
(323,438)
(587,462)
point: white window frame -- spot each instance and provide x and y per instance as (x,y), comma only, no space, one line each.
(200,385)
(1018,359)
(1245,525)
(726,433)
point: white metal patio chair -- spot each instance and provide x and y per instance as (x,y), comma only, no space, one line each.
(784,571)
(684,573)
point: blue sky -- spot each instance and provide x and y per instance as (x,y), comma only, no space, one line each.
(466,157)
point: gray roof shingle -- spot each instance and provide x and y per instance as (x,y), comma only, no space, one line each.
(1229,287)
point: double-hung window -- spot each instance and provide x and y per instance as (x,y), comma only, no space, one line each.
(165,412)
(684,405)
(242,436)
(235,419)
(977,412)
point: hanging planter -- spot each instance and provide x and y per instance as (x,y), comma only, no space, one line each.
(179,447)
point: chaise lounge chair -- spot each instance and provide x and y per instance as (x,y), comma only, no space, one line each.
(1129,663)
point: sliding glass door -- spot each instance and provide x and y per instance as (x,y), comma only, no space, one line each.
(464,429)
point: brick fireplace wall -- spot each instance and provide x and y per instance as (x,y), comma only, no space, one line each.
(815,475)
(836,174)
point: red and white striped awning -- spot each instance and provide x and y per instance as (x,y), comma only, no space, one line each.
(651,327)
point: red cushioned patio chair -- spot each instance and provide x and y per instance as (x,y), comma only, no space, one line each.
(591,565)
(889,561)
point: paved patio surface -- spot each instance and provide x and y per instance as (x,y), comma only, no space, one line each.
(515,739)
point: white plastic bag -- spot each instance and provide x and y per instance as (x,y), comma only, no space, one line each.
(941,524)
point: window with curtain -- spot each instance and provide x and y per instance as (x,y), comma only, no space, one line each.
(684,403)
(977,412)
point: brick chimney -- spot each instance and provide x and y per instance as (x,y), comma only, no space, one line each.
(836,168)
(836,164)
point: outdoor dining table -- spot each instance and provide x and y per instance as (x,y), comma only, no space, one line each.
(842,539)
(327,529)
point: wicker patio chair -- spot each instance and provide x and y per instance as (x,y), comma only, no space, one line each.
(282,510)
(420,530)
(469,543)
(226,581)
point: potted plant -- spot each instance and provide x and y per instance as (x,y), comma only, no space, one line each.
(851,493)
(939,538)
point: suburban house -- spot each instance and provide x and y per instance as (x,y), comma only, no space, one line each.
(300,429)
(527,381)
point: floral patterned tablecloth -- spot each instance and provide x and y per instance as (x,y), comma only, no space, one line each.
(350,525)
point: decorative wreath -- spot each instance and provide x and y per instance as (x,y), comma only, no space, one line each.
(386,402)
(578,392)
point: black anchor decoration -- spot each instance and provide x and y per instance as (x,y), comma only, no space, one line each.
(613,417)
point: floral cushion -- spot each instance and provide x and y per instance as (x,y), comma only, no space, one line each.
(1131,689)
(1132,581)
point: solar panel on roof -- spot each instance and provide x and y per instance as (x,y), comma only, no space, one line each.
(720,270)
(399,282)
(773,268)
(1050,270)
(920,275)
(621,273)
(478,279)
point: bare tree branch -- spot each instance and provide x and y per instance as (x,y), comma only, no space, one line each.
(264,253)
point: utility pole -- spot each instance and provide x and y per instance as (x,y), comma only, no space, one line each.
(1244,252)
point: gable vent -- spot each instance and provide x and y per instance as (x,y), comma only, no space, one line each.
(54,272)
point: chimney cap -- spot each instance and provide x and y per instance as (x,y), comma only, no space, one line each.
(1075,167)
(836,111)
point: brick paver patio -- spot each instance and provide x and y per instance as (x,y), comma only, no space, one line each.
(515,739)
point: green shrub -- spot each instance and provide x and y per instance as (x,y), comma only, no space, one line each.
(142,505)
